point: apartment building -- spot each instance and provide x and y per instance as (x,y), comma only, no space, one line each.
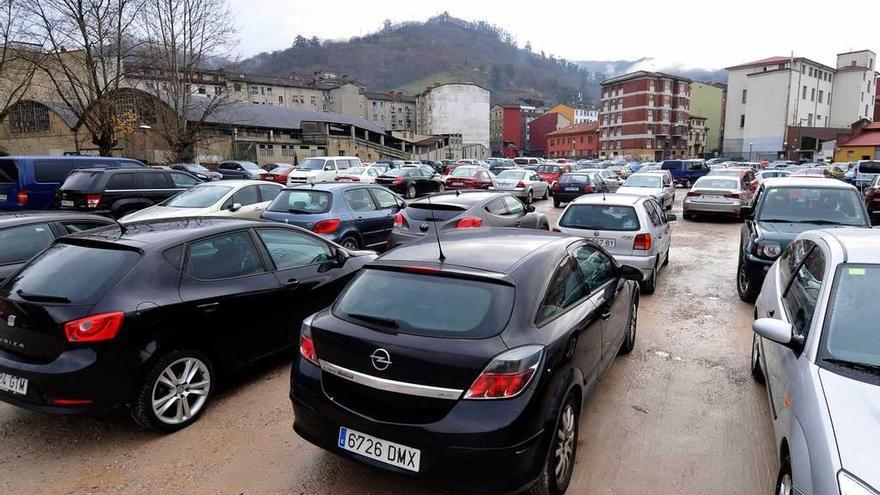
(456,108)
(784,107)
(709,100)
(574,141)
(394,111)
(540,128)
(696,140)
(644,115)
(509,129)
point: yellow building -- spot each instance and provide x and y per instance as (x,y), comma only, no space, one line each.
(564,110)
(864,144)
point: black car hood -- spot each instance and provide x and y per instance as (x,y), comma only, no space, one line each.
(785,232)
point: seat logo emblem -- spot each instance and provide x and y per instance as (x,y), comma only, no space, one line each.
(381,359)
(10,321)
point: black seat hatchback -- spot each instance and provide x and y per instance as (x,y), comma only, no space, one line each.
(147,317)
(473,369)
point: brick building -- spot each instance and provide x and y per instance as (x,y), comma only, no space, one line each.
(644,115)
(538,130)
(575,141)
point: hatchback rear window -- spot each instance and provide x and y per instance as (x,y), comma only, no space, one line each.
(433,212)
(71,273)
(871,167)
(301,201)
(8,172)
(574,179)
(600,217)
(671,165)
(428,305)
(80,181)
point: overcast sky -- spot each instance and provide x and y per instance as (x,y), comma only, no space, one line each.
(686,33)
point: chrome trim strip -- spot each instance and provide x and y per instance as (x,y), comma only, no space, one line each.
(391,385)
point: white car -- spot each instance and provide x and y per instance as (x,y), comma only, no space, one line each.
(633,229)
(228,198)
(360,174)
(658,185)
(321,169)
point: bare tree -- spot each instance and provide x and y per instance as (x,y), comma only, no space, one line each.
(181,37)
(17,65)
(86,44)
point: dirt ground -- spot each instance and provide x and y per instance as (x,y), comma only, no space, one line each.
(680,415)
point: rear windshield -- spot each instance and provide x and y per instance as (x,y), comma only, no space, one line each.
(464,172)
(831,206)
(549,169)
(8,172)
(644,181)
(671,165)
(198,197)
(600,217)
(521,161)
(395,172)
(574,179)
(80,181)
(433,212)
(709,183)
(871,167)
(426,305)
(70,273)
(301,201)
(511,174)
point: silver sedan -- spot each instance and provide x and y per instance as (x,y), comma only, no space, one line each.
(657,185)
(716,195)
(816,346)
(524,184)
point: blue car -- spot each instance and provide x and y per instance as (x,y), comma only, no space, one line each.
(685,172)
(30,182)
(355,216)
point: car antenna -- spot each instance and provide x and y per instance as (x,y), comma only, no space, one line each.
(436,230)
(122,228)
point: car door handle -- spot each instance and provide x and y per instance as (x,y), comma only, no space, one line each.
(606,313)
(208,307)
(517,224)
(292,283)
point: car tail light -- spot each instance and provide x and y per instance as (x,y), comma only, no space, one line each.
(691,194)
(469,223)
(642,242)
(93,200)
(397,180)
(22,197)
(555,229)
(307,345)
(588,189)
(732,196)
(94,328)
(326,226)
(520,185)
(508,374)
(398,220)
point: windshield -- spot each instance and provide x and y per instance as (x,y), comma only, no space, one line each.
(195,167)
(281,169)
(198,197)
(511,174)
(712,183)
(643,181)
(464,172)
(549,169)
(851,333)
(600,217)
(813,205)
(311,164)
(301,201)
(249,166)
(427,305)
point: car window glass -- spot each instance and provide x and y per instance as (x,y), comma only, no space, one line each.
(565,289)
(652,214)
(224,256)
(268,193)
(850,330)
(514,206)
(19,244)
(80,226)
(343,164)
(290,249)
(151,181)
(803,293)
(183,181)
(660,213)
(174,256)
(384,198)
(120,182)
(330,165)
(359,200)
(596,268)
(53,171)
(496,207)
(246,196)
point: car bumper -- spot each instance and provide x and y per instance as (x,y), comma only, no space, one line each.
(689,206)
(471,448)
(79,375)
(567,197)
(644,263)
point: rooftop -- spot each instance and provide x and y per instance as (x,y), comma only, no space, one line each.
(644,74)
(575,129)
(272,117)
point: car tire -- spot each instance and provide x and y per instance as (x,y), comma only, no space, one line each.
(757,372)
(546,193)
(530,197)
(666,259)
(563,444)
(629,342)
(745,286)
(785,481)
(650,285)
(556,203)
(688,184)
(350,242)
(411,192)
(688,216)
(151,412)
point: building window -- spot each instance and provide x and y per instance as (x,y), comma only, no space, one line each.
(809,120)
(742,121)
(821,93)
(812,94)
(745,92)
(281,100)
(829,97)
(866,110)
(804,97)
(236,87)
(201,90)
(288,150)
(29,117)
(810,72)
(267,150)
(255,90)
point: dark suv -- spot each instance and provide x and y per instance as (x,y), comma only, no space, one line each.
(685,172)
(120,192)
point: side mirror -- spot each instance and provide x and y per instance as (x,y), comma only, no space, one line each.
(341,257)
(671,217)
(530,208)
(235,207)
(776,330)
(630,273)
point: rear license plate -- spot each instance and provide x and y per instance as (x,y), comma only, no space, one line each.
(66,203)
(2,198)
(380,450)
(573,189)
(13,384)
(605,243)
(458,183)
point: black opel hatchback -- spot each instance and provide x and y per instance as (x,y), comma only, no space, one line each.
(148,316)
(471,370)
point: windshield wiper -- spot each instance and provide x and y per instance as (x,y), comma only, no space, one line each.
(41,297)
(823,222)
(378,320)
(779,220)
(867,368)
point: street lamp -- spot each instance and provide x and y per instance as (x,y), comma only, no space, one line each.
(750,151)
(144,128)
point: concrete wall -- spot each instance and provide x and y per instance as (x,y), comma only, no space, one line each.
(708,101)
(853,97)
(455,109)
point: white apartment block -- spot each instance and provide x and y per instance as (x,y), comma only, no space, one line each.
(456,108)
(783,106)
(582,114)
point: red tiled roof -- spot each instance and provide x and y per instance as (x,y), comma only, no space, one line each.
(765,61)
(575,129)
(865,139)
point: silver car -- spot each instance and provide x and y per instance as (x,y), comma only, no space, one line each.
(634,229)
(658,185)
(522,183)
(716,195)
(612,180)
(816,346)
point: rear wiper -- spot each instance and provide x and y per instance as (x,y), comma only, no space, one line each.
(41,297)
(378,320)
(294,210)
(867,368)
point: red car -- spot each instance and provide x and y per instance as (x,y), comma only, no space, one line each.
(468,177)
(551,173)
(279,173)
(872,201)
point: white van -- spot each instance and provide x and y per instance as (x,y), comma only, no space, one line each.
(322,169)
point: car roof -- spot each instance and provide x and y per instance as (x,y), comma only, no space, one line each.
(22,218)
(460,198)
(500,250)
(236,183)
(138,170)
(163,233)
(795,181)
(860,245)
(327,186)
(613,199)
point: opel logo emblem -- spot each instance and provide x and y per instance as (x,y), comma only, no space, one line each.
(424,227)
(381,359)
(10,321)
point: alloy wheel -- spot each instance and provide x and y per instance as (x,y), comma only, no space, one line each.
(633,322)
(565,444)
(530,198)
(411,192)
(350,244)
(181,390)
(743,279)
(785,485)
(754,351)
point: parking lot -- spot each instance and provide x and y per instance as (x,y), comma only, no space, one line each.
(681,414)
